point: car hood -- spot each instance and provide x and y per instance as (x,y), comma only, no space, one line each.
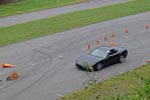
(91,60)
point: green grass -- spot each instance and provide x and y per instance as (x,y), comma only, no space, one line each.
(30,30)
(126,84)
(32,5)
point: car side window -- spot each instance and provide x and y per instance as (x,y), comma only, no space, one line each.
(113,51)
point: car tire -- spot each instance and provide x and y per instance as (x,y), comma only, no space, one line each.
(99,66)
(121,58)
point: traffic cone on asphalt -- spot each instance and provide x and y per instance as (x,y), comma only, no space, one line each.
(105,38)
(14,75)
(6,65)
(112,42)
(113,34)
(147,26)
(97,42)
(89,47)
(126,30)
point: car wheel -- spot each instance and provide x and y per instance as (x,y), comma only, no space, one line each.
(99,66)
(122,58)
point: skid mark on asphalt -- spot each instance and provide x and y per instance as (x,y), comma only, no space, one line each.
(61,51)
(40,56)
(43,55)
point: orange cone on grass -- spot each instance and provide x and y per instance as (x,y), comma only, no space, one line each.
(148,60)
(81,1)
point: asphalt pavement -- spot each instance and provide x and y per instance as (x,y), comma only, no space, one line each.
(46,65)
(31,16)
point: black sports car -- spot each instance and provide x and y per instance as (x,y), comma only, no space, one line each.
(102,56)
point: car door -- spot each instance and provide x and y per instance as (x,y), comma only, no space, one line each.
(112,56)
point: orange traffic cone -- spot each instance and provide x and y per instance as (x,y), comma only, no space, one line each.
(126,30)
(89,47)
(105,38)
(6,65)
(148,61)
(81,1)
(147,26)
(113,34)
(97,42)
(112,42)
(14,75)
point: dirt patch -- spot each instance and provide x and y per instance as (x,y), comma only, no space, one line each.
(9,1)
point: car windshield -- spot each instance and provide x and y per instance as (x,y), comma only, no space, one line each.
(99,53)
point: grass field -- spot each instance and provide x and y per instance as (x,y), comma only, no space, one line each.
(32,5)
(30,30)
(132,85)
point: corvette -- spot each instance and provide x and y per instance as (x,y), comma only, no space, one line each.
(102,56)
